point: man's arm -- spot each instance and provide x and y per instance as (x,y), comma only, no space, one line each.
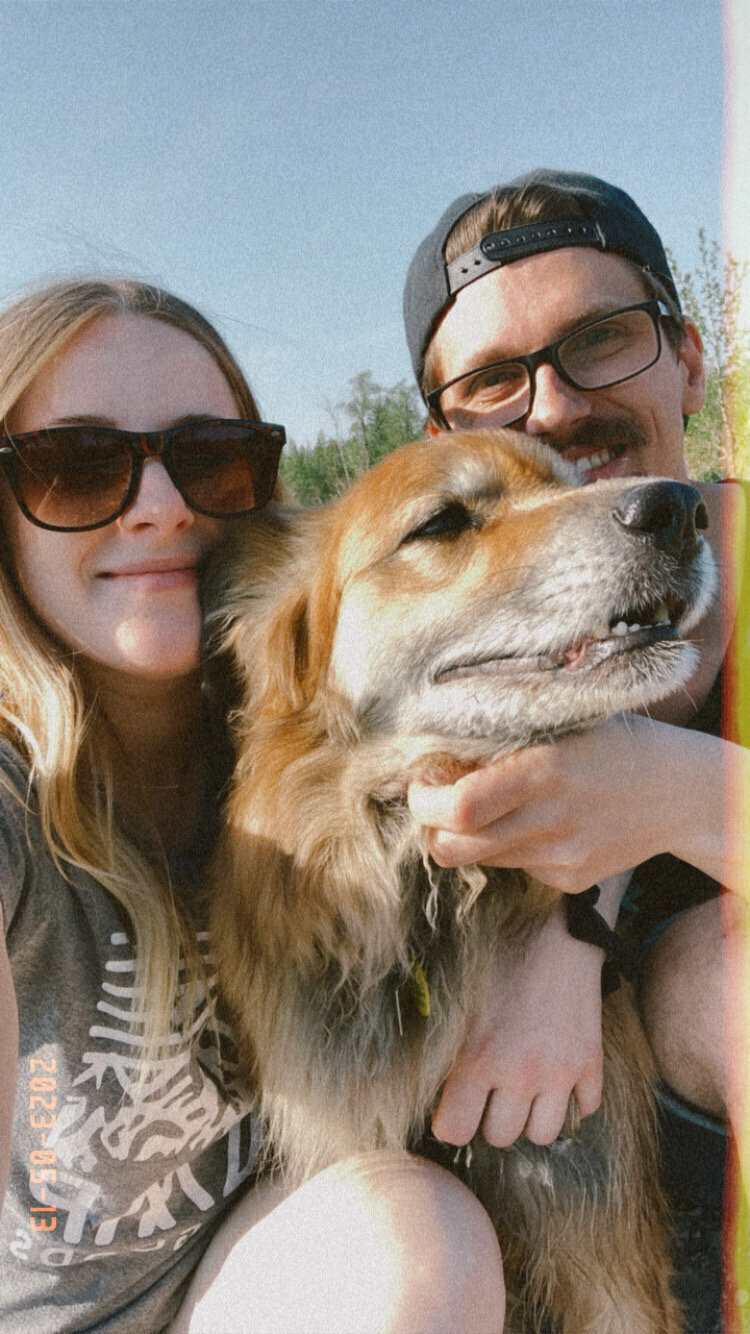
(571,814)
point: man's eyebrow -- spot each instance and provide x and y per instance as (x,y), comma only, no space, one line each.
(489,356)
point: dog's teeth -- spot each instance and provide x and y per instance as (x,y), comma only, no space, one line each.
(619,629)
(662,614)
(600,631)
(632,628)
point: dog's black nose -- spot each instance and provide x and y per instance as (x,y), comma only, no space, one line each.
(668,514)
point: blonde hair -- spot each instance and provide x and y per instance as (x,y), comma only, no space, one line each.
(44,712)
(513,206)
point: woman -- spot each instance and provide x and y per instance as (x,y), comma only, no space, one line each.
(132,443)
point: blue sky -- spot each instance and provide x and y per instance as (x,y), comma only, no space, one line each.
(277,163)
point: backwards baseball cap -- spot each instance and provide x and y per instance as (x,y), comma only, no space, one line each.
(612,222)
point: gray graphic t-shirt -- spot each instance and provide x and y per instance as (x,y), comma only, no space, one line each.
(117,1184)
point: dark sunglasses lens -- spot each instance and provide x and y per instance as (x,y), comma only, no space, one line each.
(222,468)
(72,479)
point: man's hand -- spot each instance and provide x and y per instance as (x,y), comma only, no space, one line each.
(587,807)
(572,814)
(537,1040)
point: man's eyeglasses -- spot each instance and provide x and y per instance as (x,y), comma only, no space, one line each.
(596,355)
(72,478)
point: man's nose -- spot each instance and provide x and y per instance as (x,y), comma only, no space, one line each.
(554,404)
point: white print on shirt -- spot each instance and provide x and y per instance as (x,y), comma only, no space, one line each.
(58,1257)
(185,1104)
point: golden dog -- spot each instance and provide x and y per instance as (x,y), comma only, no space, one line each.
(464,598)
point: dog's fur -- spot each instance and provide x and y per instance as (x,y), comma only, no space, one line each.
(438,614)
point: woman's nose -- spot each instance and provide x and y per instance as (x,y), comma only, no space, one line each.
(157,501)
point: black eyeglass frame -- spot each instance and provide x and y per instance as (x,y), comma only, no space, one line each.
(142,445)
(547,356)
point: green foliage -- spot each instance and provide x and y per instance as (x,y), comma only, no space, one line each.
(316,475)
(740,417)
(710,296)
(378,421)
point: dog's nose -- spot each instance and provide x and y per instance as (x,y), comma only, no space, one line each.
(668,514)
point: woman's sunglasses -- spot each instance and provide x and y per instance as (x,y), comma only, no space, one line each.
(72,478)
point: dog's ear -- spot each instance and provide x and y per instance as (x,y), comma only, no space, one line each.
(267,610)
(299,627)
(281,685)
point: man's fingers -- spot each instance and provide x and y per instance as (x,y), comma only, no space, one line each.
(504,1119)
(474,801)
(547,1116)
(465,849)
(588,1090)
(459,1113)
(501,845)
(432,806)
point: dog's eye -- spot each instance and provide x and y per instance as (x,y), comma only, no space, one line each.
(449,521)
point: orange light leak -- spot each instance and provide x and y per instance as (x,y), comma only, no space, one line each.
(736,229)
(736,710)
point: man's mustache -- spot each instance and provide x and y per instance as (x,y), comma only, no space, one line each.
(600,433)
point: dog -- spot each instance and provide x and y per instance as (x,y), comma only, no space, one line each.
(466,597)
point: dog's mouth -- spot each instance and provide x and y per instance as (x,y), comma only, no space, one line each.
(626,631)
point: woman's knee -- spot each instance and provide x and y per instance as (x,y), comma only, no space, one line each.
(384,1242)
(446,1258)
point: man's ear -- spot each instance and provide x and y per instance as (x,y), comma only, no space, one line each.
(431,427)
(690,357)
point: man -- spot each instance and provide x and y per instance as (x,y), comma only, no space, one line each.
(548,306)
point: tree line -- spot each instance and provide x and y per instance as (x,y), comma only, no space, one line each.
(376,419)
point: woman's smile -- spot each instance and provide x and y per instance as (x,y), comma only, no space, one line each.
(153,575)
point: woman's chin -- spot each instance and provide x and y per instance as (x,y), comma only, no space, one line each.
(158,652)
